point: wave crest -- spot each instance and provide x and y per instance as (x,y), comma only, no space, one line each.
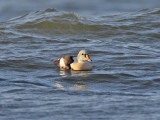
(53,21)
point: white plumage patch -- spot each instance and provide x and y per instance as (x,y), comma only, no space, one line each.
(62,65)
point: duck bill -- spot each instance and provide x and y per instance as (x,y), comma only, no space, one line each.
(88,58)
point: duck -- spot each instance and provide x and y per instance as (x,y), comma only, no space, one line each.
(67,62)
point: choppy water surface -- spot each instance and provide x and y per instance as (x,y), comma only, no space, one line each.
(125,81)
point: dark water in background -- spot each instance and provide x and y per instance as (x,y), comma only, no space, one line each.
(124,47)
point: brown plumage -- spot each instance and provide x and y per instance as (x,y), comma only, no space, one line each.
(64,62)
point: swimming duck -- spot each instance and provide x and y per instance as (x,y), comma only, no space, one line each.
(67,62)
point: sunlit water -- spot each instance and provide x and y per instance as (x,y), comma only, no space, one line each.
(125,80)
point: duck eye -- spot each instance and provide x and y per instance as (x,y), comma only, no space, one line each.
(84,54)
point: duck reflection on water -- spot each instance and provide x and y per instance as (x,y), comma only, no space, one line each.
(74,87)
(65,73)
(78,85)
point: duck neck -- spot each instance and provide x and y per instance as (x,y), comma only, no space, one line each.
(80,61)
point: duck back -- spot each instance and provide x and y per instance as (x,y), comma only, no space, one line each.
(64,62)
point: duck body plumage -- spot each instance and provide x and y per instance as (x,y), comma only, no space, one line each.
(64,62)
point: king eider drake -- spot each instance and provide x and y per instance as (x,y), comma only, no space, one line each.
(67,62)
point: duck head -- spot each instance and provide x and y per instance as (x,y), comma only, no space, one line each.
(83,56)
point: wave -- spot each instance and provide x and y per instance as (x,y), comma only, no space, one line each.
(53,21)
